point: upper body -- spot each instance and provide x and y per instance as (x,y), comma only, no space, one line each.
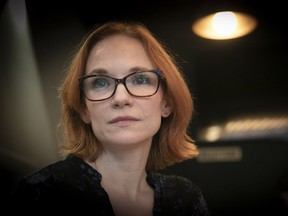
(125,112)
(75,182)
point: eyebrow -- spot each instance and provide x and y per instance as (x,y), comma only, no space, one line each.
(102,71)
(135,69)
(99,71)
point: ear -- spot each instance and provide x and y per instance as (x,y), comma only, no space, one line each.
(85,116)
(167,108)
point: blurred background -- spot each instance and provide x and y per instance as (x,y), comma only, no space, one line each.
(239,87)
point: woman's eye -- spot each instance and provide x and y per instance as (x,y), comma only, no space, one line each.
(100,83)
(141,80)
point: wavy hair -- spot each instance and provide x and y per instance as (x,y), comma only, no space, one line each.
(171,144)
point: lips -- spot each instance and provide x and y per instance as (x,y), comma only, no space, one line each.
(123,119)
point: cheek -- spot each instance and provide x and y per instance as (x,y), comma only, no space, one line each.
(153,112)
(94,111)
(97,117)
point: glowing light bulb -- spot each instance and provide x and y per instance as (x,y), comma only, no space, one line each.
(224,23)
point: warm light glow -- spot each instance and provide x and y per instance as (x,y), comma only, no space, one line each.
(220,154)
(224,25)
(213,133)
(247,127)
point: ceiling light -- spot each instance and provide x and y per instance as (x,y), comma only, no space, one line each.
(224,25)
(247,127)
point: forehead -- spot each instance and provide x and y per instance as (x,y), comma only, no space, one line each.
(118,42)
(118,52)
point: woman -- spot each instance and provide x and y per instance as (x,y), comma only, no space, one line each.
(125,112)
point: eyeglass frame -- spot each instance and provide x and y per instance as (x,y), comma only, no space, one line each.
(122,80)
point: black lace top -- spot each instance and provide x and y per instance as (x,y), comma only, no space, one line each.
(75,182)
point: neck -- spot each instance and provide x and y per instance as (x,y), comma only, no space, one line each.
(123,166)
(124,179)
(126,168)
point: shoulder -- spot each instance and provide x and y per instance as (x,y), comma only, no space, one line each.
(48,173)
(70,167)
(178,194)
(61,178)
(174,181)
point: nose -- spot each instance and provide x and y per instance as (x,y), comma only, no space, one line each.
(121,96)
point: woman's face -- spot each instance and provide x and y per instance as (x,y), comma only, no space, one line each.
(123,120)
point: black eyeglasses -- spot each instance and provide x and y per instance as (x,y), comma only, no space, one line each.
(138,84)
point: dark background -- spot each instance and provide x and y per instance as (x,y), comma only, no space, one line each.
(245,76)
